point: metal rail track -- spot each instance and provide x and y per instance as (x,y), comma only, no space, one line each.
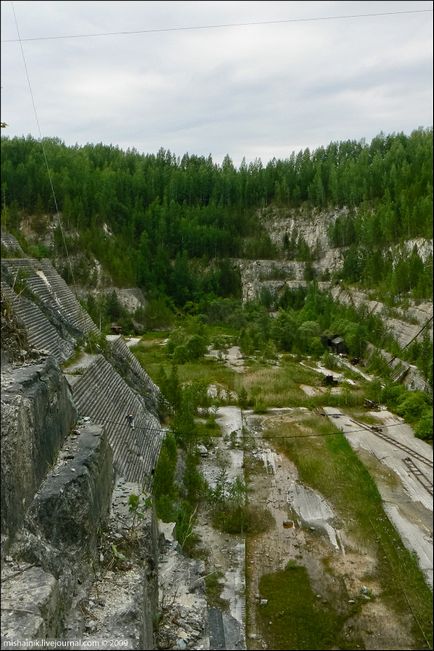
(418,474)
(378,432)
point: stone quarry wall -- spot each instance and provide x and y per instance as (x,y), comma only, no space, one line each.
(274,276)
(36,416)
(133,373)
(69,463)
(102,395)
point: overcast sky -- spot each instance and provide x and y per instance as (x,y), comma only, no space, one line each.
(258,91)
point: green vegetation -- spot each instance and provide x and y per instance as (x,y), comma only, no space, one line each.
(180,219)
(231,511)
(415,407)
(265,384)
(178,484)
(328,464)
(294,618)
(213,591)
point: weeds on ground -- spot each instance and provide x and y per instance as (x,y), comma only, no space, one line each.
(294,618)
(213,591)
(231,511)
(327,462)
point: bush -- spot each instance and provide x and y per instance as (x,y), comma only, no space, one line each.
(392,394)
(196,346)
(424,428)
(412,406)
(165,508)
(186,347)
(185,518)
(180,354)
(159,313)
(194,481)
(164,487)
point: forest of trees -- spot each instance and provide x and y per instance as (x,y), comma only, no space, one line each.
(171,217)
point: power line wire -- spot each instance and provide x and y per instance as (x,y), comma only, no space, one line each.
(42,145)
(259,435)
(220,26)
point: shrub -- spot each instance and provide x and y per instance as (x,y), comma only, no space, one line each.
(392,394)
(164,487)
(180,354)
(424,428)
(196,346)
(412,405)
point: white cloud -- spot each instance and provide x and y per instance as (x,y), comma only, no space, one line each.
(256,91)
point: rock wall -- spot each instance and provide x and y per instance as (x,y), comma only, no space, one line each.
(62,519)
(131,298)
(129,367)
(62,515)
(313,225)
(57,545)
(74,500)
(36,416)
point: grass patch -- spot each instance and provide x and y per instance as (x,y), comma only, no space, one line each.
(213,590)
(280,387)
(328,464)
(77,353)
(207,430)
(242,519)
(209,371)
(152,356)
(294,618)
(277,386)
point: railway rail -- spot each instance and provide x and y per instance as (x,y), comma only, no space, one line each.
(374,429)
(419,475)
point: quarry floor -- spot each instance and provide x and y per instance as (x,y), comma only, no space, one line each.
(306,529)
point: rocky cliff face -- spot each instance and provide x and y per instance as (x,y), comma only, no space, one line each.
(64,510)
(313,225)
(37,415)
(274,276)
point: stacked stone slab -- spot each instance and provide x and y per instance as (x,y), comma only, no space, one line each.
(10,244)
(41,334)
(102,395)
(68,302)
(44,285)
(129,367)
(58,475)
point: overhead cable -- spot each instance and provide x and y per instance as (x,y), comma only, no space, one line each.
(218,26)
(43,147)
